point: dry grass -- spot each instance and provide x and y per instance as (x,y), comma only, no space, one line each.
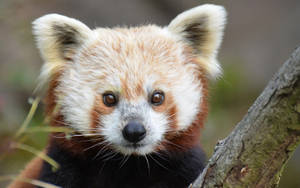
(17,142)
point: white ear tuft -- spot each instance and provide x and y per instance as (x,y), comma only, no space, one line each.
(58,37)
(202,28)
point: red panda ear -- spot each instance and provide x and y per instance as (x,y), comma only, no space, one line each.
(202,28)
(58,37)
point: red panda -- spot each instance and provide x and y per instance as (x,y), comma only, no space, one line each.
(135,97)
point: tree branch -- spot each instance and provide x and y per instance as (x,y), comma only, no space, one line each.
(255,153)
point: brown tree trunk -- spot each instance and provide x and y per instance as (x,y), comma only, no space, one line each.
(255,153)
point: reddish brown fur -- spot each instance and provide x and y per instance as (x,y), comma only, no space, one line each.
(50,99)
(31,171)
(131,92)
(190,137)
(98,110)
(139,89)
(172,111)
(77,144)
(74,144)
(167,105)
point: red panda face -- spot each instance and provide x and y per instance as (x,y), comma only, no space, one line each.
(131,76)
(135,87)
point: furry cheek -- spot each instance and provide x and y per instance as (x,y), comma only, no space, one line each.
(110,127)
(157,125)
(187,106)
(76,105)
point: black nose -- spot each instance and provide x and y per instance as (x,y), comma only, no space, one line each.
(134,132)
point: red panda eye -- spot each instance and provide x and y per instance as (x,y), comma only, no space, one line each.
(157,98)
(110,99)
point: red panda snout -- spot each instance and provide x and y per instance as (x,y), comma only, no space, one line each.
(134,132)
(133,128)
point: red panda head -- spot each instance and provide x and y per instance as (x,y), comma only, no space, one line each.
(141,88)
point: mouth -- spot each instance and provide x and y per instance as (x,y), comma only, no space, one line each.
(134,145)
(134,148)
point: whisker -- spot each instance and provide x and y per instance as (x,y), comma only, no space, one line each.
(110,157)
(94,145)
(124,160)
(62,122)
(107,154)
(148,165)
(92,139)
(95,136)
(169,142)
(86,134)
(54,136)
(158,163)
(102,150)
(172,115)
(70,125)
(182,133)
(160,155)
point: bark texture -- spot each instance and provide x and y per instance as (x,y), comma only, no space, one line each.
(256,151)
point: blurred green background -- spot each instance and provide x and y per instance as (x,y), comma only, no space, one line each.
(259,37)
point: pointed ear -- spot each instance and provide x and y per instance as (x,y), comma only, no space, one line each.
(202,28)
(58,38)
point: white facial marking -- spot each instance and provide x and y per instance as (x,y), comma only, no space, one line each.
(113,124)
(187,96)
(76,100)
